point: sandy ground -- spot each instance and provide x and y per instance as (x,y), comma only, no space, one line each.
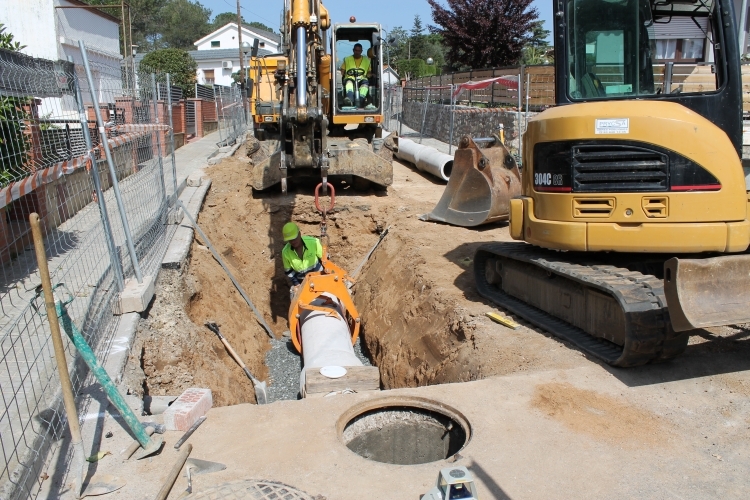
(555,424)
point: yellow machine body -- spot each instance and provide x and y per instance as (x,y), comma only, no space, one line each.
(300,104)
(653,222)
(265,101)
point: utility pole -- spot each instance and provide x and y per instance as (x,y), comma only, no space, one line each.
(242,66)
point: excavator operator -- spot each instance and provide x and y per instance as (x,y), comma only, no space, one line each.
(355,73)
(300,255)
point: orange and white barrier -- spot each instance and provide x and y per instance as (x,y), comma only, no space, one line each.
(16,190)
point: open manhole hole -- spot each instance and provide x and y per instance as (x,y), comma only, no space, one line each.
(404,430)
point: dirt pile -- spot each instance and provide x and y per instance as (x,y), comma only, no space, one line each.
(414,332)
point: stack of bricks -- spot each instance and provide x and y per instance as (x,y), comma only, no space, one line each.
(187,409)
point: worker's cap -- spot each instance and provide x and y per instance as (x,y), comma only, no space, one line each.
(289,231)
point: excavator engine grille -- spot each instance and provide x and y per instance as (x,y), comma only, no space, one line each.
(617,168)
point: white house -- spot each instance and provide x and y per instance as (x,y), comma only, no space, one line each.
(218,54)
(51,29)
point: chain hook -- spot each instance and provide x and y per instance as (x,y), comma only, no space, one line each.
(317,199)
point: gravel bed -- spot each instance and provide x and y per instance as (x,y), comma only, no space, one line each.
(285,365)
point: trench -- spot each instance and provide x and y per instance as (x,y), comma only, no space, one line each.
(411,329)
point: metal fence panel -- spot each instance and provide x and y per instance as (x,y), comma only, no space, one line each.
(48,168)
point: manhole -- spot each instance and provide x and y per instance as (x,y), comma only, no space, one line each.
(251,489)
(404,430)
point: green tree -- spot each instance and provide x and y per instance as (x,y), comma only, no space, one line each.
(536,49)
(183,22)
(260,26)
(14,142)
(6,41)
(417,39)
(225,18)
(177,63)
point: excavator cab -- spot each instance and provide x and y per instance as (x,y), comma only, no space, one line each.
(358,62)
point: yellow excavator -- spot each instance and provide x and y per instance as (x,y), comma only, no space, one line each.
(322,122)
(634,205)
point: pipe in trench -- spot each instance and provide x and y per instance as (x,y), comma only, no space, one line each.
(301,66)
(326,340)
(426,158)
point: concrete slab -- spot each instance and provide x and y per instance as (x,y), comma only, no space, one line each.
(179,247)
(123,338)
(587,432)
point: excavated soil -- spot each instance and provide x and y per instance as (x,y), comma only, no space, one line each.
(423,323)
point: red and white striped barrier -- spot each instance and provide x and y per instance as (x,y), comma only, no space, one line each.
(16,190)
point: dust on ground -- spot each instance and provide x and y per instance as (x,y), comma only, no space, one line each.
(603,417)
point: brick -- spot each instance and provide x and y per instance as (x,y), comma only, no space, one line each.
(187,409)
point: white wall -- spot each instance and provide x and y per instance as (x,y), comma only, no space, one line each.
(221,76)
(96,31)
(32,23)
(227,36)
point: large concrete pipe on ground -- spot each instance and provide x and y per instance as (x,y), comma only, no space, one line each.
(425,158)
(326,338)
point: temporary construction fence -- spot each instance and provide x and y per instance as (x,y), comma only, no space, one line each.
(227,113)
(476,103)
(90,149)
(430,108)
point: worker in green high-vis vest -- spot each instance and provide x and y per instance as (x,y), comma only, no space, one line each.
(355,73)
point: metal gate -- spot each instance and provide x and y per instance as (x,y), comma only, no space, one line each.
(189,118)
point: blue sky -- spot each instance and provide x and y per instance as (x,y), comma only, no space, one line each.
(389,13)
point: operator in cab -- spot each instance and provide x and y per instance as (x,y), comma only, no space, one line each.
(300,255)
(355,73)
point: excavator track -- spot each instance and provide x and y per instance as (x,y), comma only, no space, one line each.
(616,314)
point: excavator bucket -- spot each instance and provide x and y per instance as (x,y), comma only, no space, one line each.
(707,292)
(481,184)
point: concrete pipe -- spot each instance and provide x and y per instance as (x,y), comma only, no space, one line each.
(326,339)
(425,158)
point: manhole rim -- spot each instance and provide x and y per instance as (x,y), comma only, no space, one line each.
(401,401)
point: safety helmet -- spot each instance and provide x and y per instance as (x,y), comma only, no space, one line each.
(289,231)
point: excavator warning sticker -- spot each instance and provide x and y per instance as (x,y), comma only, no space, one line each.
(612,126)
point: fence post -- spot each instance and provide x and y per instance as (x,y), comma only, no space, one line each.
(520,107)
(471,73)
(401,112)
(424,115)
(528,84)
(218,121)
(171,134)
(111,247)
(453,109)
(158,134)
(111,165)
